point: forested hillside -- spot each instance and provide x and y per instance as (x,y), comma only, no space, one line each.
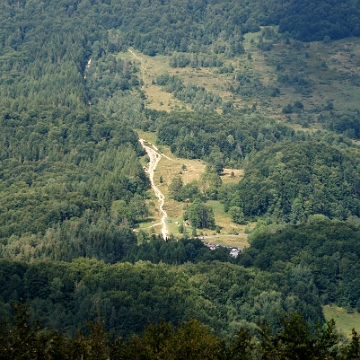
(66,170)
(309,20)
(239,85)
(292,181)
(191,339)
(329,250)
(219,295)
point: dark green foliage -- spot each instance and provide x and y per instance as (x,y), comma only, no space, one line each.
(188,340)
(296,107)
(62,177)
(309,20)
(71,184)
(180,192)
(191,340)
(288,109)
(199,98)
(176,252)
(224,139)
(200,216)
(300,81)
(70,181)
(113,88)
(330,250)
(44,48)
(348,125)
(24,339)
(180,61)
(237,215)
(291,181)
(295,340)
(248,84)
(189,192)
(175,187)
(216,293)
(107,75)
(104,236)
(195,61)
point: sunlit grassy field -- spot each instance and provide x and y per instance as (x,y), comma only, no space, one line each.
(232,176)
(332,70)
(344,322)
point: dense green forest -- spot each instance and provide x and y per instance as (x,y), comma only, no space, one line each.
(26,339)
(73,188)
(213,137)
(291,181)
(219,294)
(328,250)
(230,137)
(309,20)
(175,252)
(22,338)
(67,178)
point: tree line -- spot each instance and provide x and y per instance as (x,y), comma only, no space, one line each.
(327,249)
(221,295)
(26,339)
(291,181)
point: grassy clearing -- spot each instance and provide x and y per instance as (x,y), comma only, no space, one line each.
(151,67)
(232,176)
(332,69)
(147,224)
(236,241)
(223,220)
(167,170)
(344,322)
(158,99)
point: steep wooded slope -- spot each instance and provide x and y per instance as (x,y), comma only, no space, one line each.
(294,180)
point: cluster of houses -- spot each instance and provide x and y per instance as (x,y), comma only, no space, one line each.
(234,251)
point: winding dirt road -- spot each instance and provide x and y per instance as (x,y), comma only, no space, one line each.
(155,157)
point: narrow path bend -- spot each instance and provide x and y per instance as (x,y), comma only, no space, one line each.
(155,157)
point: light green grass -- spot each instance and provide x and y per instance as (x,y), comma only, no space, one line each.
(344,322)
(236,241)
(146,224)
(338,83)
(226,177)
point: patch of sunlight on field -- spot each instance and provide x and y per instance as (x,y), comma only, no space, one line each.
(150,68)
(223,221)
(147,135)
(232,176)
(159,99)
(147,224)
(240,241)
(336,82)
(344,322)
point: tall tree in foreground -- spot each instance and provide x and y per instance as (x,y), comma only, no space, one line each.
(22,339)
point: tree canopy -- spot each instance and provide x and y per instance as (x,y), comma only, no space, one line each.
(291,181)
